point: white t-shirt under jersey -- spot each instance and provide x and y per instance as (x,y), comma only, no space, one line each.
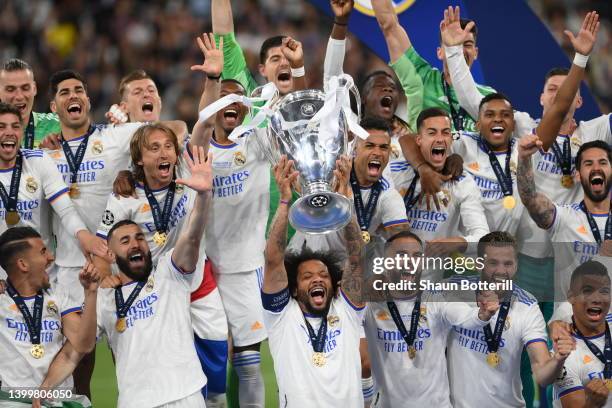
(580,367)
(18,368)
(107,153)
(473,382)
(300,383)
(424,380)
(236,226)
(155,357)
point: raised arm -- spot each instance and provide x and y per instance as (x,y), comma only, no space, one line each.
(336,46)
(293,51)
(551,122)
(396,37)
(222,18)
(187,249)
(546,368)
(342,11)
(541,208)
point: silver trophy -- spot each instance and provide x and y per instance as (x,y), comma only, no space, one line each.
(313,133)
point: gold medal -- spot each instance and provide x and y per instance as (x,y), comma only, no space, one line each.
(493,359)
(567,181)
(12,217)
(74,191)
(365,235)
(160,238)
(37,351)
(412,352)
(509,202)
(121,324)
(608,383)
(318,359)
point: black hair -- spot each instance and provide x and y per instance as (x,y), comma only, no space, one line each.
(430,113)
(464,22)
(403,234)
(595,144)
(271,42)
(233,81)
(59,76)
(293,260)
(375,123)
(493,97)
(13,242)
(556,71)
(118,225)
(7,108)
(588,268)
(496,239)
(15,64)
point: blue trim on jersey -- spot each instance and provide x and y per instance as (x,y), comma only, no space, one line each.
(9,170)
(275,302)
(536,341)
(554,218)
(220,146)
(57,195)
(28,297)
(588,337)
(395,222)
(599,215)
(179,270)
(573,389)
(385,184)
(357,308)
(90,131)
(29,153)
(99,234)
(141,186)
(72,310)
(129,283)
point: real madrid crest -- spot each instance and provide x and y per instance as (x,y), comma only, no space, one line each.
(150,284)
(445,195)
(575,141)
(507,323)
(513,166)
(332,320)
(31,185)
(97,147)
(239,159)
(395,152)
(422,317)
(52,307)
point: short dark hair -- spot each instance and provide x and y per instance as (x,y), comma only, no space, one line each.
(118,225)
(595,144)
(493,97)
(271,42)
(588,268)
(430,113)
(379,72)
(7,108)
(403,234)
(135,75)
(556,71)
(496,239)
(59,76)
(294,259)
(375,123)
(16,64)
(233,81)
(13,242)
(464,22)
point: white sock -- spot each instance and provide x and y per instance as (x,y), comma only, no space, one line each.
(214,400)
(367,387)
(250,381)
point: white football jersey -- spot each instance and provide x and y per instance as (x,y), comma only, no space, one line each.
(485,386)
(236,226)
(422,381)
(107,153)
(155,357)
(17,366)
(301,383)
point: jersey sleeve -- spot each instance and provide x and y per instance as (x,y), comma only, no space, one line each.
(422,67)
(569,381)
(393,209)
(275,302)
(234,63)
(66,303)
(597,129)
(463,82)
(459,314)
(185,280)
(534,327)
(558,220)
(99,318)
(412,84)
(334,60)
(355,312)
(115,211)
(52,181)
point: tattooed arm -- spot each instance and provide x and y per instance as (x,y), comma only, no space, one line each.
(541,208)
(275,278)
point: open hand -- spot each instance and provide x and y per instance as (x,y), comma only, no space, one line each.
(200,166)
(584,41)
(450,28)
(213,55)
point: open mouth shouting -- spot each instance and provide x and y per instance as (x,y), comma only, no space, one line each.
(148,108)
(284,77)
(74,110)
(438,154)
(22,108)
(597,182)
(595,313)
(318,296)
(374,168)
(165,169)
(9,145)
(387,105)
(230,116)
(136,259)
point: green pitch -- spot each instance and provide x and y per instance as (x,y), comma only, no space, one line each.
(104,382)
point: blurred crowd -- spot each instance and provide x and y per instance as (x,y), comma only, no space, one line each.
(105,39)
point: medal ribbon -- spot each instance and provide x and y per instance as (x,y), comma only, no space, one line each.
(606,356)
(33,323)
(124,307)
(10,199)
(493,338)
(593,224)
(75,160)
(364,215)
(317,339)
(458,116)
(161,217)
(409,199)
(504,177)
(564,158)
(28,141)
(409,337)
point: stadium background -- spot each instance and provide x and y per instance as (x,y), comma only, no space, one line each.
(106,39)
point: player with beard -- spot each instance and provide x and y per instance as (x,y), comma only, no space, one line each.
(151,301)
(415,323)
(586,376)
(42,327)
(583,226)
(493,353)
(437,86)
(312,324)
(18,88)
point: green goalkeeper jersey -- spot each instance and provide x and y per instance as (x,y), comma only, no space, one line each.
(39,125)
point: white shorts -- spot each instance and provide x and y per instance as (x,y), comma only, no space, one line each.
(241,296)
(208,317)
(67,278)
(195,400)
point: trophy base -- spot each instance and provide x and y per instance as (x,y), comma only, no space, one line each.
(320,213)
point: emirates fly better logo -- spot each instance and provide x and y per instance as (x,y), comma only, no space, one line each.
(365,6)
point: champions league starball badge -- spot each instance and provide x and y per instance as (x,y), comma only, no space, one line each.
(37,351)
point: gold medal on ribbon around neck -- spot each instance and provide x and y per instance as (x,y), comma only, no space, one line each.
(74,191)
(121,324)
(12,218)
(493,359)
(412,352)
(365,236)
(37,351)
(509,202)
(318,359)
(567,181)
(160,238)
